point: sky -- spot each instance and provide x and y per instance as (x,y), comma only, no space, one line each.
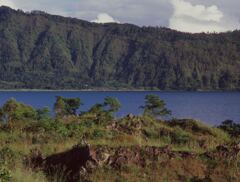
(183,15)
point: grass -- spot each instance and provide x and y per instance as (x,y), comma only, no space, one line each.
(21,174)
(181,135)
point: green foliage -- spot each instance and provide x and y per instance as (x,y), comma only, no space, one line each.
(64,55)
(7,158)
(231,128)
(13,111)
(112,104)
(7,154)
(151,133)
(61,129)
(97,108)
(137,147)
(106,110)
(154,106)
(5,173)
(66,106)
(43,114)
(192,126)
(59,107)
(21,174)
(55,127)
(180,136)
(200,129)
(72,105)
(98,133)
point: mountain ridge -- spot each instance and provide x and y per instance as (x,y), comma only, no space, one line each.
(43,51)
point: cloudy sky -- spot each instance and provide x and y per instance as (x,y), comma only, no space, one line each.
(183,15)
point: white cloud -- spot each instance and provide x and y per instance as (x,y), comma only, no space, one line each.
(104,18)
(196,18)
(7,3)
(183,15)
(200,12)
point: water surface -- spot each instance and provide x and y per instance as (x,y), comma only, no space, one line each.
(209,107)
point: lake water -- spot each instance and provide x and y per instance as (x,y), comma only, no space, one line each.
(209,107)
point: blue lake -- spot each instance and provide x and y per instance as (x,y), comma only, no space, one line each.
(209,107)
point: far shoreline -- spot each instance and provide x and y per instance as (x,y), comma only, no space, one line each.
(113,90)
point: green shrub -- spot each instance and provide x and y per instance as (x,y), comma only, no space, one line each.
(47,125)
(179,136)
(5,174)
(198,128)
(155,106)
(231,128)
(61,129)
(13,111)
(7,154)
(151,133)
(98,133)
(43,114)
(75,130)
(7,157)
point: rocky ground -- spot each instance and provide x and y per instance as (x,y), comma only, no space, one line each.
(130,149)
(82,161)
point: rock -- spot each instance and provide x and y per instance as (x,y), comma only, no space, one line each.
(81,160)
(112,126)
(167,149)
(222,148)
(224,152)
(119,162)
(130,116)
(237,147)
(91,165)
(185,155)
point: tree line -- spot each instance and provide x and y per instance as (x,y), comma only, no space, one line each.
(13,112)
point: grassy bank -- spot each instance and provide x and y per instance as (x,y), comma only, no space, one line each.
(132,148)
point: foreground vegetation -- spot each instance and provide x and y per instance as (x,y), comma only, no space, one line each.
(36,147)
(42,51)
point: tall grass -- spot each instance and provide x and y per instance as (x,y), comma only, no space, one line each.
(21,174)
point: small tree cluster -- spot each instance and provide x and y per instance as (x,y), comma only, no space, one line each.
(13,111)
(107,109)
(154,106)
(66,106)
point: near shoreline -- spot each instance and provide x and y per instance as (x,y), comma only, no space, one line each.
(110,90)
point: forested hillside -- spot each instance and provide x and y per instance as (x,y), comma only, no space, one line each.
(42,51)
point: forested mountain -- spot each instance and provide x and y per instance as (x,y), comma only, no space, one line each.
(42,51)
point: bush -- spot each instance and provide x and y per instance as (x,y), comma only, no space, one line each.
(59,128)
(151,133)
(180,136)
(199,129)
(13,111)
(231,128)
(98,133)
(75,130)
(6,156)
(5,174)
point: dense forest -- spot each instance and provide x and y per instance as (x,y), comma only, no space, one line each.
(42,51)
